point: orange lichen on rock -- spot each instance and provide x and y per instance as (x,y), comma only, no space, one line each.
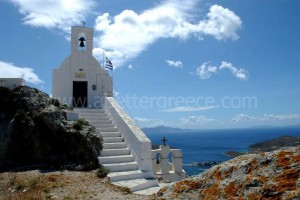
(185,186)
(248,179)
(287,180)
(229,172)
(263,179)
(211,193)
(284,159)
(296,158)
(230,190)
(254,196)
(162,190)
(217,174)
(253,165)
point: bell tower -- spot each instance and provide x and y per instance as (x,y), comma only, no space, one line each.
(81,39)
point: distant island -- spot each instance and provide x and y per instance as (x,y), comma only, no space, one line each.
(167,129)
(268,145)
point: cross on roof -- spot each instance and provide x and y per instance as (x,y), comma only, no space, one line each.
(164,140)
(83,23)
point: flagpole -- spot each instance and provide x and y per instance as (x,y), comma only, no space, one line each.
(103,60)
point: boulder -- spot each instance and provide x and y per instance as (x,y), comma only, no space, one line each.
(271,175)
(35,132)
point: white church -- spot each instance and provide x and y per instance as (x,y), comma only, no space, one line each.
(81,82)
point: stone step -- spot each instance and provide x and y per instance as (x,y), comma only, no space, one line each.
(119,167)
(110,134)
(138,184)
(86,110)
(101,121)
(115,159)
(127,175)
(149,191)
(113,139)
(104,126)
(108,129)
(92,113)
(118,145)
(115,152)
(95,118)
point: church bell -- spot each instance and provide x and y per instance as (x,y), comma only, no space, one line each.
(82,40)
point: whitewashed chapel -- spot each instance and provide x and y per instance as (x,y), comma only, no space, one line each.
(127,152)
(80,81)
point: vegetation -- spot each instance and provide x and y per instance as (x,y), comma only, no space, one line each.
(102,172)
(78,125)
(54,102)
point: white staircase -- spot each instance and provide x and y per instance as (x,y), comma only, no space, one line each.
(115,155)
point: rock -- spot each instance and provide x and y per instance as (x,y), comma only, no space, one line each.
(35,132)
(233,153)
(272,175)
(207,163)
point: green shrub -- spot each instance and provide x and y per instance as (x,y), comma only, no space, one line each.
(54,102)
(78,125)
(102,172)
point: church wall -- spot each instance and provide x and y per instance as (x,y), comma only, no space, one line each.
(99,82)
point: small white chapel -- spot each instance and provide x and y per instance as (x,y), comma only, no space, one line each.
(81,82)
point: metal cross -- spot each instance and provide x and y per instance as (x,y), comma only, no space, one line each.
(83,23)
(164,140)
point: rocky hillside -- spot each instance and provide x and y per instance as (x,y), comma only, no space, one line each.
(34,132)
(272,175)
(274,144)
(268,145)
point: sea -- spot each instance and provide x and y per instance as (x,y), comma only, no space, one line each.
(210,145)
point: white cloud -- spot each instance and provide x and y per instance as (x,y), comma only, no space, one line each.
(59,14)
(8,70)
(281,117)
(222,23)
(130,67)
(243,118)
(189,109)
(142,119)
(238,73)
(147,122)
(116,93)
(196,121)
(267,117)
(177,64)
(206,70)
(130,33)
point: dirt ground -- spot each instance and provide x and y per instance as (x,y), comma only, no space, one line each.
(61,185)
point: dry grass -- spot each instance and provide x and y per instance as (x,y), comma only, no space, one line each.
(60,185)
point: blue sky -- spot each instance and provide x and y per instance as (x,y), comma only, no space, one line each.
(188,64)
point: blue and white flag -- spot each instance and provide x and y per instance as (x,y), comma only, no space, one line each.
(108,64)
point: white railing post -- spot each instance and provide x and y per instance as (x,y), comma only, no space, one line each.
(162,169)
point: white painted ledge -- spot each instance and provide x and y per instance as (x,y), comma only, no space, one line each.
(138,143)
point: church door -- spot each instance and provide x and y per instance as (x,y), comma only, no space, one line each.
(80,94)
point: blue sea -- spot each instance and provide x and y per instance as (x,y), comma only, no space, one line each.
(210,145)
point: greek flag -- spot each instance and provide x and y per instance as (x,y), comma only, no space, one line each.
(108,64)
